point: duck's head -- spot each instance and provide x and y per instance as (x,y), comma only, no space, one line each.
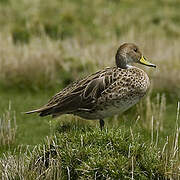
(129,53)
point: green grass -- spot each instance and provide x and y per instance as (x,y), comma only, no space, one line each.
(31,129)
(110,153)
(128,146)
(91,20)
(85,152)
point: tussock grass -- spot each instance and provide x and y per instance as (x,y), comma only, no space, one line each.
(79,150)
(8,128)
(90,153)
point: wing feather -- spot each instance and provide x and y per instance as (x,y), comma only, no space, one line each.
(80,94)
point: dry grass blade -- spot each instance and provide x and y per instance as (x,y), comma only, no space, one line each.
(8,128)
(41,162)
(153,112)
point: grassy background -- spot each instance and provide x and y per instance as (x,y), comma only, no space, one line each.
(45,45)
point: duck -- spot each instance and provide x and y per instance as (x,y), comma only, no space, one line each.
(105,93)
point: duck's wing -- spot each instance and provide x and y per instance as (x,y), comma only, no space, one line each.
(81,94)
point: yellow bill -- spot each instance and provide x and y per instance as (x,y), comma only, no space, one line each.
(143,61)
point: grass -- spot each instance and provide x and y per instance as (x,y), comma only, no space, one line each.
(52,61)
(87,153)
(8,128)
(129,146)
(64,36)
(30,129)
(46,45)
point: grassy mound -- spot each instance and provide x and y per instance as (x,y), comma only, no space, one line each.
(88,153)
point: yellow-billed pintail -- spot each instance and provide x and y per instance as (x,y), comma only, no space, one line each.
(105,93)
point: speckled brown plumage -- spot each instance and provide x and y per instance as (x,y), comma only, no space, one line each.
(104,93)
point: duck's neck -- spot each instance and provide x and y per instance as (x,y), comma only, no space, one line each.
(121,62)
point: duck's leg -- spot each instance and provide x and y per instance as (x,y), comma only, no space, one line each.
(101,122)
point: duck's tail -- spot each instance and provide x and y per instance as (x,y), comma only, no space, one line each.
(44,111)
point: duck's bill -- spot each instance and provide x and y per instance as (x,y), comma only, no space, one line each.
(143,61)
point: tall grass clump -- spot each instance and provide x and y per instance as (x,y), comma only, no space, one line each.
(8,128)
(170,150)
(22,163)
(152,111)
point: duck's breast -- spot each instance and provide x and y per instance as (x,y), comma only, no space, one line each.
(131,85)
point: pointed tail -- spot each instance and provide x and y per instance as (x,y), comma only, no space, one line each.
(38,110)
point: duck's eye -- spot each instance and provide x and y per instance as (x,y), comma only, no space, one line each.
(135,49)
